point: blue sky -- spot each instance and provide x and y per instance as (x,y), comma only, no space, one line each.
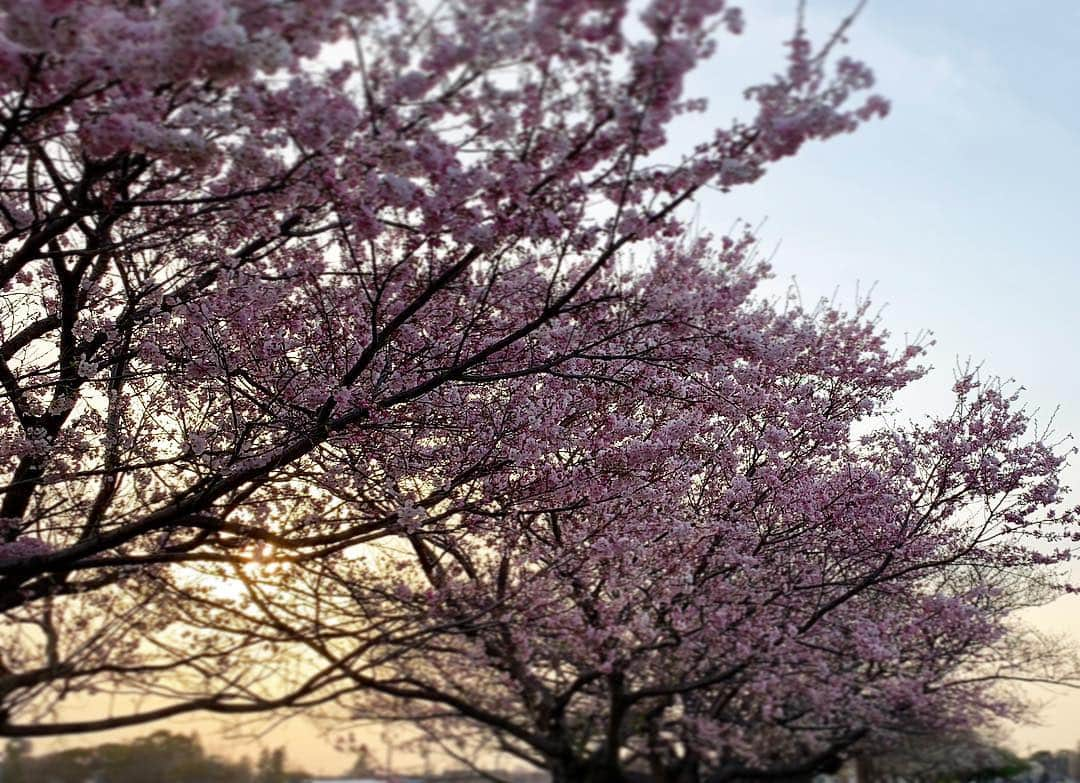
(962,208)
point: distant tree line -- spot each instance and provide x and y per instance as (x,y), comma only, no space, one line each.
(950,757)
(1057,765)
(163,755)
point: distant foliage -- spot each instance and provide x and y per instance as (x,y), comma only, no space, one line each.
(163,756)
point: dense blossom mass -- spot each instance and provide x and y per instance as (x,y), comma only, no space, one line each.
(358,352)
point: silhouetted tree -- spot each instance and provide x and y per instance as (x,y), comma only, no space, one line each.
(163,755)
(15,753)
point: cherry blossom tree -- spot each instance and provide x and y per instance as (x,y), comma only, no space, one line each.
(716,560)
(717,578)
(268,267)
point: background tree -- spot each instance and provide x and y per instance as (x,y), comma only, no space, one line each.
(162,755)
(271,768)
(955,756)
(260,262)
(364,766)
(13,769)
